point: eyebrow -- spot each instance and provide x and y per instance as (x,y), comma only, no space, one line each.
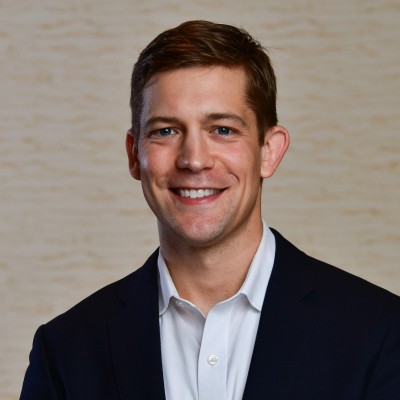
(226,116)
(207,117)
(160,119)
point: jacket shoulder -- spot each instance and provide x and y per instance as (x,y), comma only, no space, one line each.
(332,284)
(101,305)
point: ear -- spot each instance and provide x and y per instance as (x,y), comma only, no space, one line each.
(276,142)
(132,151)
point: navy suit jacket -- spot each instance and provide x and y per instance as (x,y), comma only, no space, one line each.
(323,335)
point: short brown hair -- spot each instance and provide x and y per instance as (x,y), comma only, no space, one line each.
(204,44)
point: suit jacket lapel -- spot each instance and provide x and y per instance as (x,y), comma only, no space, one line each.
(286,323)
(135,337)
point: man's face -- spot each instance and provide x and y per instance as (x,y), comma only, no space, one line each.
(198,156)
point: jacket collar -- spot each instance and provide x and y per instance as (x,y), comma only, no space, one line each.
(135,336)
(286,324)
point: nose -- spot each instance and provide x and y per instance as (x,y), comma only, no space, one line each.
(194,153)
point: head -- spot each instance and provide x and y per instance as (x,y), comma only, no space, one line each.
(205,44)
(205,94)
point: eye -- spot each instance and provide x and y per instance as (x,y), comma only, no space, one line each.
(223,131)
(164,131)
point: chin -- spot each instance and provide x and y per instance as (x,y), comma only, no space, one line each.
(196,233)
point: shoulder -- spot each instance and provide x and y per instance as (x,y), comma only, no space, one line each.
(352,326)
(331,285)
(348,313)
(101,306)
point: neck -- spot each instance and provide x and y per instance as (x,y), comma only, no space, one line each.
(206,275)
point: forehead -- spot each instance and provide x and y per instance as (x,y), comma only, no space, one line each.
(196,89)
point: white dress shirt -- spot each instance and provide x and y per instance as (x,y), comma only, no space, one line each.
(209,358)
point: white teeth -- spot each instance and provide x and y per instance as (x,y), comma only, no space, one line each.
(195,194)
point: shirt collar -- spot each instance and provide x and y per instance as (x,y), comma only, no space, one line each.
(256,282)
(254,286)
(167,288)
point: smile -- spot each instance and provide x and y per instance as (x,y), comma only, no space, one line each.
(197,193)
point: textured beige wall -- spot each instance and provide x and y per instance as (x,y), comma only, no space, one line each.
(72,220)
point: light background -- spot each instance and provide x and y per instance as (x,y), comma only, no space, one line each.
(72,219)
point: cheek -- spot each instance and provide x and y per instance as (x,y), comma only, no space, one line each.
(243,160)
(155,164)
(149,158)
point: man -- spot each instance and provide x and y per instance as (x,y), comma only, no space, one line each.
(226,308)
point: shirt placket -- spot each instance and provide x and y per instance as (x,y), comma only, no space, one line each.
(213,356)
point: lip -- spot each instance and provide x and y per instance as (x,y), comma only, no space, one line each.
(196,195)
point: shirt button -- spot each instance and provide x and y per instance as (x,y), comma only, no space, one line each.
(212,360)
